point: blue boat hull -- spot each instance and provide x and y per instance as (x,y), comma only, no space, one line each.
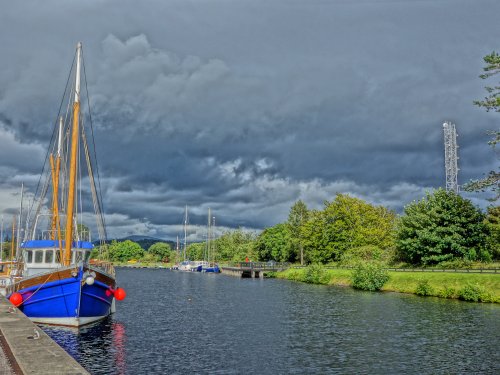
(214,269)
(68,301)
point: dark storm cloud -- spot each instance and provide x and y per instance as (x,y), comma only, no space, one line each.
(246,107)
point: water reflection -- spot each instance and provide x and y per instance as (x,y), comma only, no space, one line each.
(99,347)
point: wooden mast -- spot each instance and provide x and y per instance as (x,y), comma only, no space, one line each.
(73,162)
(55,166)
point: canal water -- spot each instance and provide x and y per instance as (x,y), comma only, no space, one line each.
(181,323)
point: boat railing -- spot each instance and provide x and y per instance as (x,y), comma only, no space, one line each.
(104,265)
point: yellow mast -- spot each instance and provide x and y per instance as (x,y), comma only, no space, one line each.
(73,162)
(55,169)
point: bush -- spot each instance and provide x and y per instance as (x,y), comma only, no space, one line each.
(316,274)
(474,293)
(456,263)
(369,276)
(424,288)
(447,292)
(363,253)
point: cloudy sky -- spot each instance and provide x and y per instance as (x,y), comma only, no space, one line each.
(248,106)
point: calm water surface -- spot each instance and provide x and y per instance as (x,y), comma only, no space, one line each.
(179,323)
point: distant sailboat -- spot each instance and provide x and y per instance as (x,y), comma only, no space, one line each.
(209,265)
(185,264)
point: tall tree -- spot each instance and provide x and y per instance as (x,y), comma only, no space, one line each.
(493,222)
(490,102)
(440,227)
(124,251)
(275,244)
(160,250)
(296,218)
(344,224)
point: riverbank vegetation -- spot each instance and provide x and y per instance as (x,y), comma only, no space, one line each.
(475,287)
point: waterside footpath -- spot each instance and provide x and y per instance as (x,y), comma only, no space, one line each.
(26,349)
(474,287)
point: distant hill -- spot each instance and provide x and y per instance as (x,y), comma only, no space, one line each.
(144,241)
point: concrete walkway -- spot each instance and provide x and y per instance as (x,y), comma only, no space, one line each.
(27,349)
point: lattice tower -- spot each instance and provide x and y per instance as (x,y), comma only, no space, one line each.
(451,156)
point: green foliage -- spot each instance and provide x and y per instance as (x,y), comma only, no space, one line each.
(492,101)
(441,227)
(296,218)
(195,251)
(492,180)
(316,274)
(352,257)
(447,292)
(94,254)
(344,224)
(369,276)
(161,251)
(424,288)
(236,245)
(474,293)
(492,221)
(275,243)
(124,251)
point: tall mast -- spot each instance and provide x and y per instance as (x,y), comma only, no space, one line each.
(73,161)
(185,231)
(1,240)
(19,220)
(208,235)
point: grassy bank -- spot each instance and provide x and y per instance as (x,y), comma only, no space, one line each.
(443,284)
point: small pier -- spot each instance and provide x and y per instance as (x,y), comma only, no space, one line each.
(26,349)
(254,270)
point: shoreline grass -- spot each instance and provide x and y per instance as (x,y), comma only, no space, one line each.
(442,284)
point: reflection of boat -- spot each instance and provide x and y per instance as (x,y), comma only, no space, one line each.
(210,265)
(58,284)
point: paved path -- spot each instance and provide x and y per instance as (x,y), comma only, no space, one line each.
(33,351)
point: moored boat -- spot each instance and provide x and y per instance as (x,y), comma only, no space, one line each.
(54,281)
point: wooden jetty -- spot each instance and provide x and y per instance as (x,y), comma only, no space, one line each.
(253,269)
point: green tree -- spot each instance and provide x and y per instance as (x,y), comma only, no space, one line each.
(493,222)
(492,180)
(124,251)
(440,227)
(161,251)
(195,251)
(236,245)
(492,101)
(344,224)
(275,244)
(296,218)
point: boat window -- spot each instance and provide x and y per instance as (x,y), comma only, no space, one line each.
(87,256)
(49,256)
(29,256)
(58,256)
(39,256)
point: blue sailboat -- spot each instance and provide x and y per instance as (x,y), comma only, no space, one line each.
(55,281)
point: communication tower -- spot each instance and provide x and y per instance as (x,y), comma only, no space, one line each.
(451,156)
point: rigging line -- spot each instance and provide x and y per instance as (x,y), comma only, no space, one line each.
(52,137)
(100,226)
(99,201)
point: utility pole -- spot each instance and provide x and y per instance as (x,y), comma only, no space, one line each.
(451,156)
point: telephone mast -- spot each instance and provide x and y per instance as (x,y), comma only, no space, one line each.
(451,156)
